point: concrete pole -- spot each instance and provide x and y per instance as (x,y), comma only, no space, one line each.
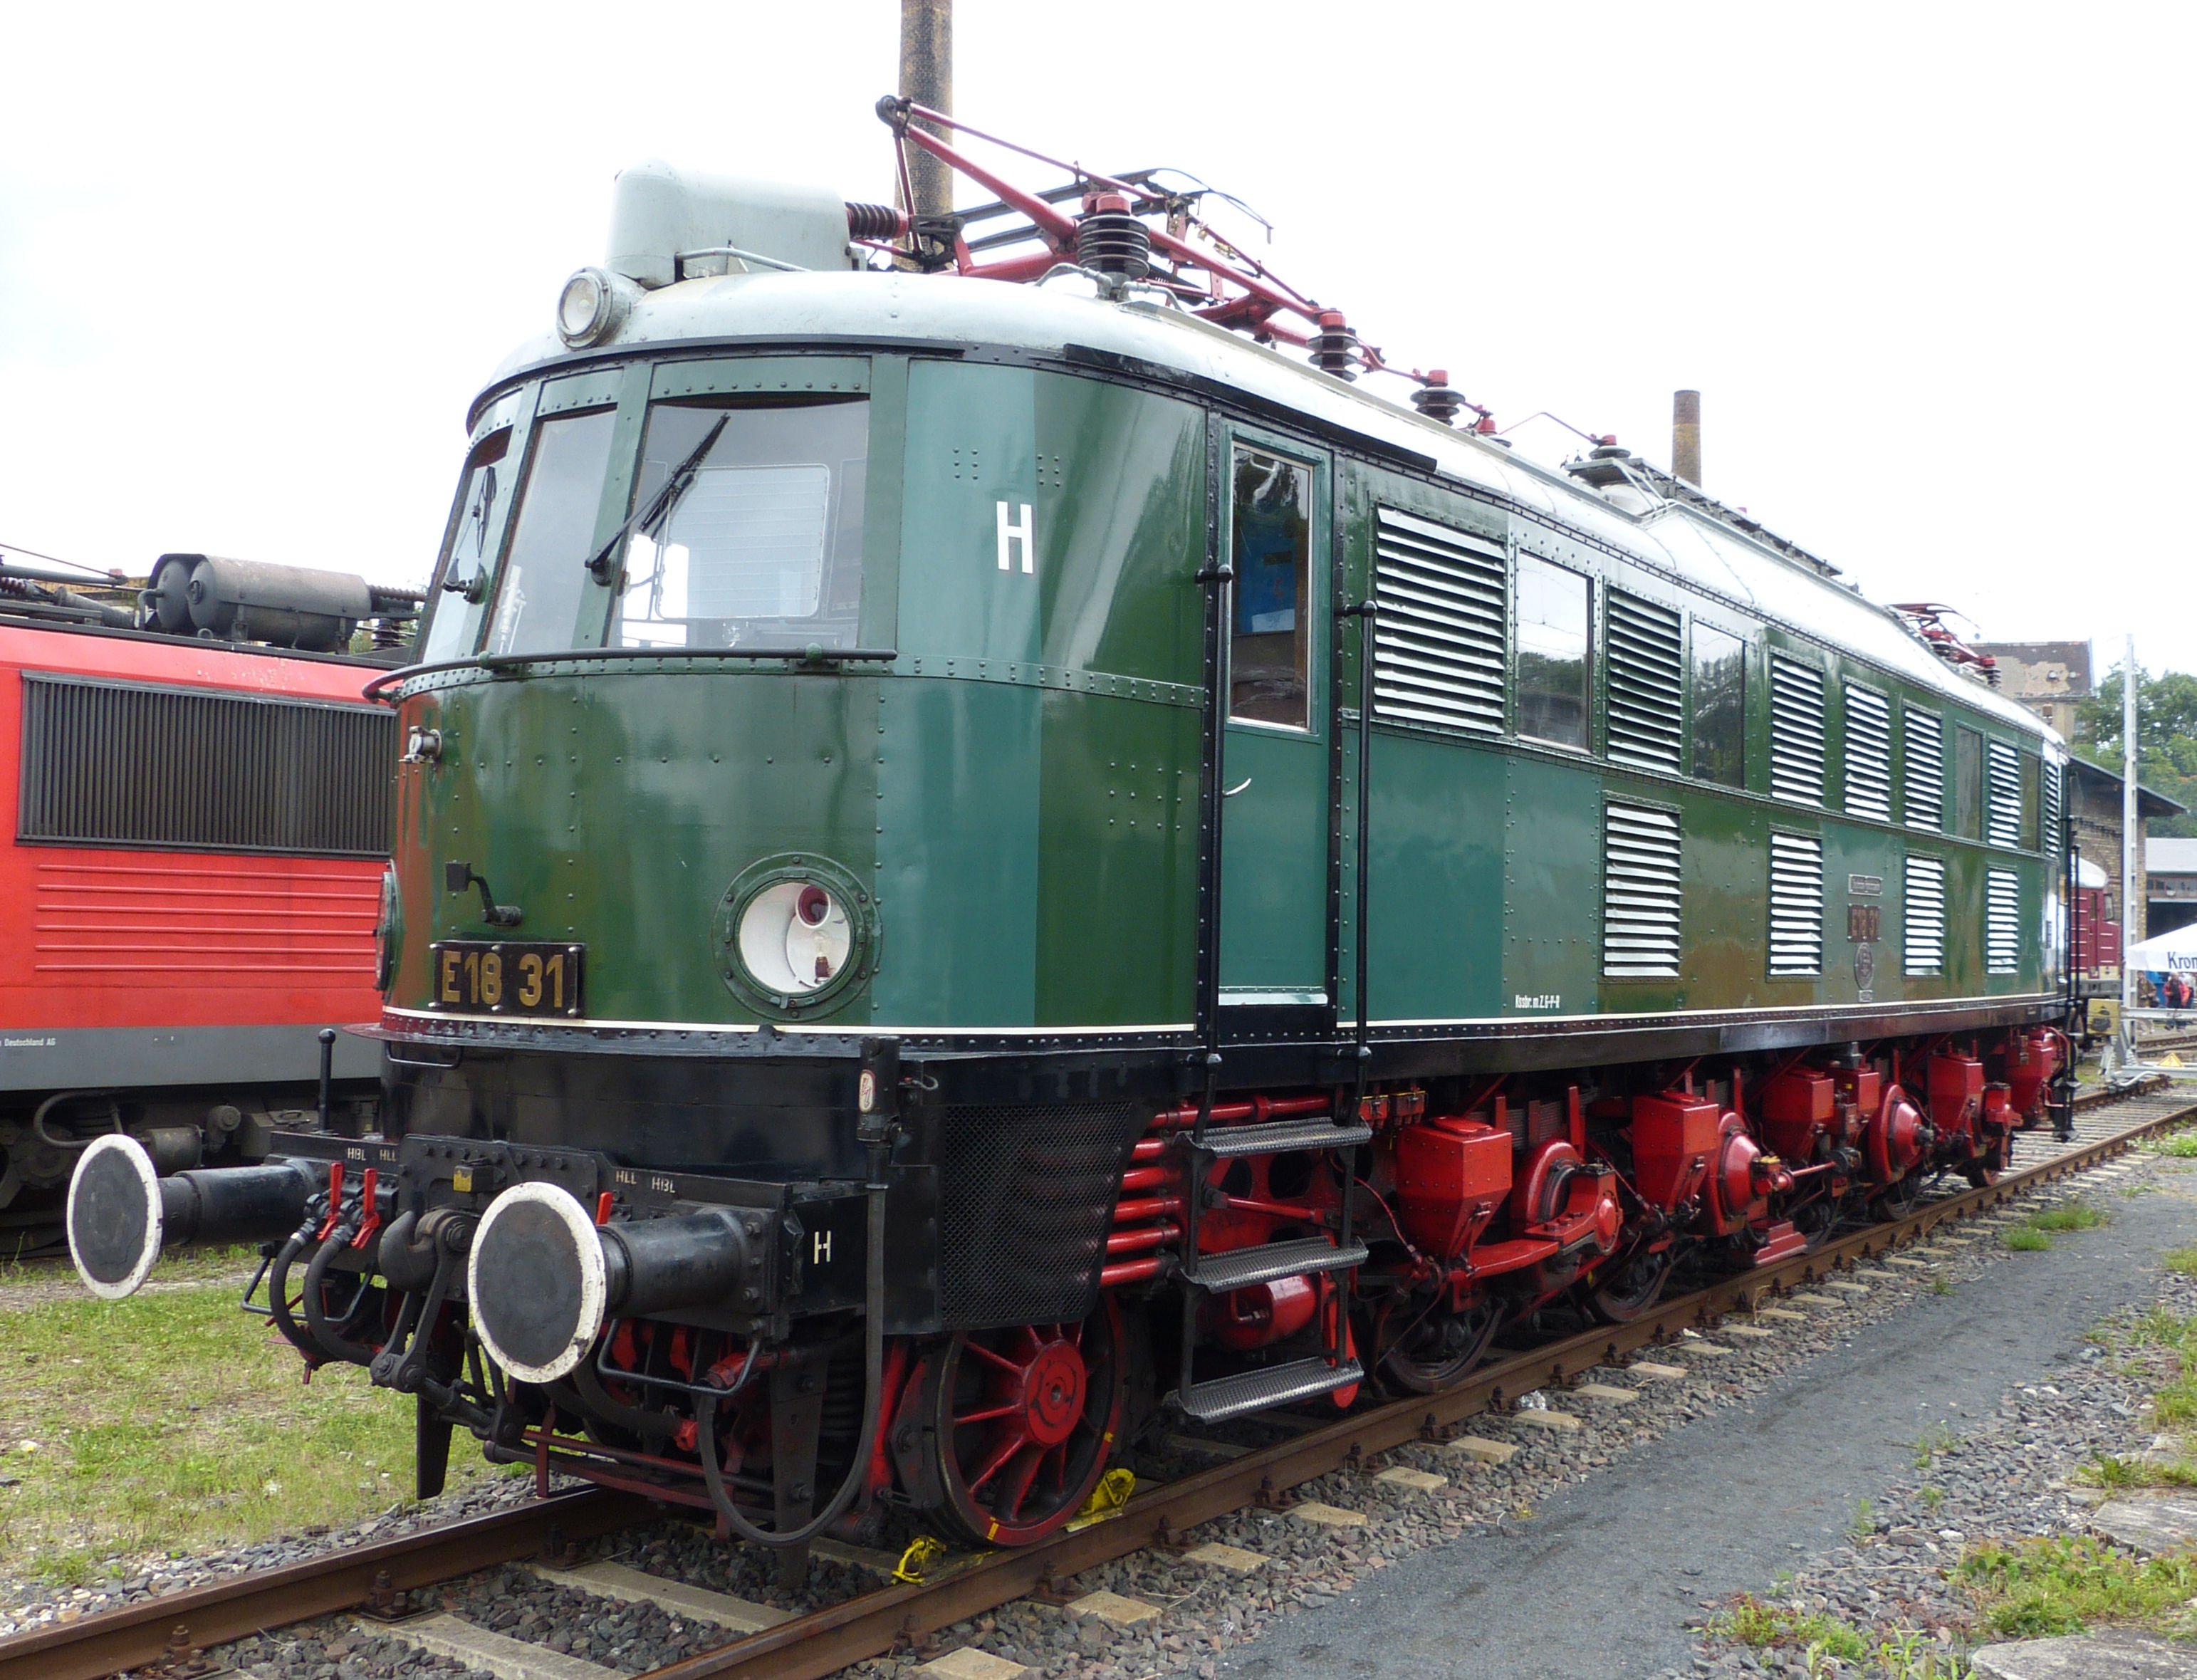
(2129,858)
(1686,436)
(926,76)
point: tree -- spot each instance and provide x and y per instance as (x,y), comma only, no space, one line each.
(2165,738)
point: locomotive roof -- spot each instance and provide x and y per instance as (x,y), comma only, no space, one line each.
(1693,543)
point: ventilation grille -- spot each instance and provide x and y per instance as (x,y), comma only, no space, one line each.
(1640,890)
(1439,638)
(1925,771)
(1025,1197)
(2002,825)
(1796,905)
(1869,754)
(108,764)
(1647,705)
(2051,839)
(1796,732)
(2002,922)
(1925,913)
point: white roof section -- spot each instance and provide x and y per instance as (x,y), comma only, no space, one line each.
(825,309)
(2170,857)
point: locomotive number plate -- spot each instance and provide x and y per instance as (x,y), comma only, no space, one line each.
(506,977)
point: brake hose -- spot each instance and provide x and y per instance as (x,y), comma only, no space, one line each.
(873,1361)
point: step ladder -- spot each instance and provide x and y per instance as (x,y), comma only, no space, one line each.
(1201,1275)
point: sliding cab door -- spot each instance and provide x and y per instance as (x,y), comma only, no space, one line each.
(1274,825)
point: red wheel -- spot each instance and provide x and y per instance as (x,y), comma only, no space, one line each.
(1021,1422)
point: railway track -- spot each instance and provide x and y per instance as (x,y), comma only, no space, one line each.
(167,1634)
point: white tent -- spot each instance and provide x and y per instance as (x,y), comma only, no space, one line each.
(2170,953)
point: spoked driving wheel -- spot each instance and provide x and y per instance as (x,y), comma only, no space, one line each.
(1021,1421)
(1432,1351)
(1815,1222)
(1898,1201)
(1622,1292)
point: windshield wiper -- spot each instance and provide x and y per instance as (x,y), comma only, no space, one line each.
(599,568)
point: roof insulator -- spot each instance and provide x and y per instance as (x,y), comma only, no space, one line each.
(1334,348)
(1112,241)
(1437,401)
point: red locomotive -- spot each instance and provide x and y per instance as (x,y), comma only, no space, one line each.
(199,825)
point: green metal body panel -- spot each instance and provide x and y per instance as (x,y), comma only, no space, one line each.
(1552,886)
(1019,788)
(1018,791)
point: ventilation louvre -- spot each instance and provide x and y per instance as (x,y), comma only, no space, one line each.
(192,769)
(1796,906)
(1440,637)
(1925,771)
(2051,841)
(1641,886)
(2003,823)
(1647,703)
(1869,754)
(1796,732)
(2002,922)
(1923,932)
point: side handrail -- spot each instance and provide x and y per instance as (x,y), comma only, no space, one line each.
(813,653)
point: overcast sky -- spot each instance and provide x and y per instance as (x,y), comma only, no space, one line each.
(1927,264)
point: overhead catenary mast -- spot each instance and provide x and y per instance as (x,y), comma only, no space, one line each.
(2128,828)
(926,77)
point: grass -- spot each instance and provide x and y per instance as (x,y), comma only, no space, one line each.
(2075,1216)
(2182,1144)
(1753,1621)
(173,1421)
(1911,1655)
(2184,1260)
(1931,1443)
(2067,1584)
(2175,1401)
(1864,1519)
(186,1265)
(2033,1236)
(2114,1473)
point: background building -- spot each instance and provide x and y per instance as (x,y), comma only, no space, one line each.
(2170,893)
(2048,677)
(2096,806)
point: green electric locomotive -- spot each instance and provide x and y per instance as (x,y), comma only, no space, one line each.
(984,855)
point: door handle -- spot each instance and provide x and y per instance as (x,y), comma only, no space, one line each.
(1231,792)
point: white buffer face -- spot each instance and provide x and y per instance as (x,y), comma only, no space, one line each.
(534,1277)
(115,1219)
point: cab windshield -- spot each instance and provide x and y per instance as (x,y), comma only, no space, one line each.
(762,545)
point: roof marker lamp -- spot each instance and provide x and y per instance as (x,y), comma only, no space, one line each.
(591,307)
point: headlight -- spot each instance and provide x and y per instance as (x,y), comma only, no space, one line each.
(385,933)
(795,937)
(797,933)
(590,308)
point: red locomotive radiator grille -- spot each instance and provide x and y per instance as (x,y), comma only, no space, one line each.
(165,923)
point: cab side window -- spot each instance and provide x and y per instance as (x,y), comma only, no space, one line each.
(1720,709)
(1553,618)
(1269,638)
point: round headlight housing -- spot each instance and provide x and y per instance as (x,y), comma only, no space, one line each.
(590,307)
(796,932)
(384,932)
